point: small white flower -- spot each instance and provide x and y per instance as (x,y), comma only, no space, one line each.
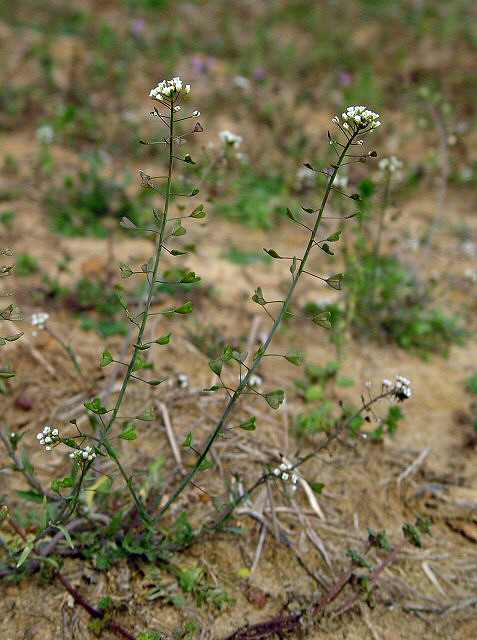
(230,139)
(47,448)
(45,134)
(177,108)
(255,380)
(360,119)
(335,120)
(169,90)
(196,113)
(241,82)
(391,164)
(183,381)
(39,319)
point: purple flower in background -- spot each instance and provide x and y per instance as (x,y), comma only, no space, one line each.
(345,79)
(200,64)
(138,26)
(259,74)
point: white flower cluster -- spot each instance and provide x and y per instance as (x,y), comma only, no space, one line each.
(48,438)
(183,381)
(230,139)
(168,90)
(83,455)
(39,319)
(391,164)
(358,118)
(400,390)
(283,472)
(45,134)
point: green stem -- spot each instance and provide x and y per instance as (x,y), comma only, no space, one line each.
(147,305)
(142,327)
(231,403)
(377,244)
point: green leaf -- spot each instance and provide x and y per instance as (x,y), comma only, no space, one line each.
(198,212)
(96,406)
(335,282)
(205,464)
(188,441)
(345,382)
(194,192)
(379,539)
(129,432)
(139,364)
(148,415)
(308,209)
(258,297)
(66,533)
(106,359)
(249,425)
(272,253)
(179,230)
(189,278)
(412,534)
(290,215)
(24,554)
(275,398)
(317,487)
(16,336)
(323,319)
(293,265)
(66,483)
(359,560)
(26,463)
(122,300)
(334,236)
(176,252)
(216,365)
(126,271)
(295,356)
(184,309)
(164,339)
(32,495)
(155,383)
(326,248)
(7,374)
(142,347)
(13,313)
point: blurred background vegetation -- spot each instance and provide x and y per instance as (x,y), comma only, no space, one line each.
(74,104)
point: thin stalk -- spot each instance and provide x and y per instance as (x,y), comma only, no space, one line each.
(377,244)
(145,315)
(147,305)
(231,403)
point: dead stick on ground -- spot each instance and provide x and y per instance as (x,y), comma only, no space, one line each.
(170,435)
